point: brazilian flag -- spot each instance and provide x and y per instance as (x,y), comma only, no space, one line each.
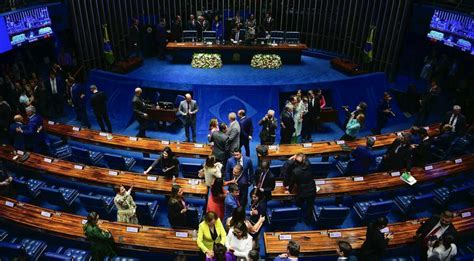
(369,46)
(109,54)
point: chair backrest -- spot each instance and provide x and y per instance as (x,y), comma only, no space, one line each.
(276,169)
(80,153)
(146,211)
(421,202)
(292,37)
(12,250)
(333,216)
(53,195)
(321,168)
(115,161)
(21,186)
(189,34)
(56,256)
(190,170)
(285,214)
(378,209)
(91,202)
(277,34)
(194,216)
(209,36)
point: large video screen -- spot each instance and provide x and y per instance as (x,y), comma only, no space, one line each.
(23,27)
(453,29)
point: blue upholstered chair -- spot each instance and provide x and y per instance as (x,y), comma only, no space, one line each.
(3,234)
(146,211)
(209,36)
(189,35)
(119,162)
(321,168)
(276,169)
(59,149)
(98,203)
(59,196)
(86,156)
(444,195)
(330,216)
(121,258)
(30,187)
(285,215)
(277,37)
(292,37)
(194,216)
(29,248)
(370,210)
(190,170)
(410,204)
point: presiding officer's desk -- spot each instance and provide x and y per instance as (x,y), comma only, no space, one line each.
(156,114)
(235,53)
(154,239)
(103,176)
(321,242)
(382,181)
(146,145)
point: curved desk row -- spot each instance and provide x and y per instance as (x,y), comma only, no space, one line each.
(328,187)
(325,241)
(196,150)
(103,176)
(154,239)
(382,181)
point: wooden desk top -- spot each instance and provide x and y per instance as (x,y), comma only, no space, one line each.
(320,148)
(193,46)
(155,239)
(381,181)
(319,242)
(326,148)
(102,176)
(119,141)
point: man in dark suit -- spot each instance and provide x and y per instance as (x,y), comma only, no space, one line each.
(398,155)
(268,23)
(434,229)
(220,149)
(135,38)
(302,183)
(265,180)
(427,102)
(247,172)
(314,110)
(364,158)
(187,110)
(456,120)
(177,29)
(287,124)
(161,38)
(421,153)
(236,36)
(139,112)
(246,131)
(192,23)
(79,101)
(443,141)
(384,111)
(55,88)
(35,136)
(99,106)
(5,118)
(269,125)
(17,137)
(200,27)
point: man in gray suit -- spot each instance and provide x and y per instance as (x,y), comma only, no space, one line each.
(187,110)
(220,150)
(234,132)
(139,111)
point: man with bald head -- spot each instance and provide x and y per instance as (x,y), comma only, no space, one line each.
(187,110)
(139,111)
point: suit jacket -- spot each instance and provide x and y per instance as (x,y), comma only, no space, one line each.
(134,36)
(139,108)
(314,110)
(422,153)
(374,245)
(230,203)
(192,26)
(183,109)
(381,115)
(32,135)
(59,86)
(234,136)
(76,92)
(246,128)
(221,145)
(177,31)
(364,158)
(247,173)
(303,182)
(268,129)
(268,183)
(428,225)
(396,160)
(268,24)
(204,239)
(99,102)
(460,125)
(17,139)
(289,122)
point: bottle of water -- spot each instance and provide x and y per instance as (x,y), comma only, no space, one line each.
(174,180)
(194,235)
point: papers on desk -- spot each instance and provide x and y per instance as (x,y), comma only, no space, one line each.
(395,174)
(20,152)
(429,167)
(307,145)
(458,161)
(409,179)
(278,184)
(340,142)
(103,134)
(165,142)
(51,123)
(320,182)
(358,178)
(273,147)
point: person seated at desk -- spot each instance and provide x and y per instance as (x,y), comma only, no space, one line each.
(102,242)
(168,162)
(421,153)
(398,154)
(177,208)
(236,37)
(364,158)
(292,252)
(443,141)
(344,251)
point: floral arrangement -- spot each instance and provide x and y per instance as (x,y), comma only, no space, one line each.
(206,60)
(266,61)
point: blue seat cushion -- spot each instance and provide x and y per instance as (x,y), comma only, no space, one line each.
(34,185)
(363,206)
(68,194)
(77,254)
(404,201)
(56,256)
(33,248)
(3,234)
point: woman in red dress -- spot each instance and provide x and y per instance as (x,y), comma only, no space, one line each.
(216,198)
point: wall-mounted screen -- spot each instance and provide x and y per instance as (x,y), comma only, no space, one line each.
(23,27)
(453,29)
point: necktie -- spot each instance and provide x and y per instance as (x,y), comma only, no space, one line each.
(238,202)
(54,90)
(432,233)
(262,178)
(189,109)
